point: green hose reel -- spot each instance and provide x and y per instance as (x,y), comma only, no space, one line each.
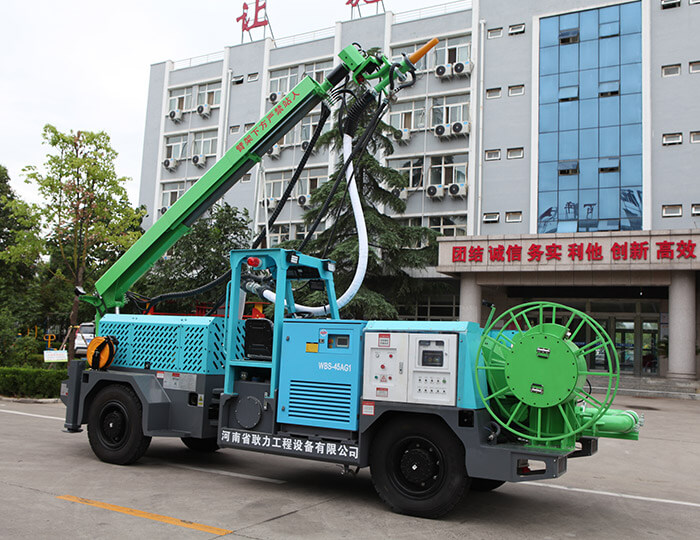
(535,360)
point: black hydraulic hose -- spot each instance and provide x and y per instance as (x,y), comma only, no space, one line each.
(350,124)
(325,113)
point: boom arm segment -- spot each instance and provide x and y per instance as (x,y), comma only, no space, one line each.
(113,285)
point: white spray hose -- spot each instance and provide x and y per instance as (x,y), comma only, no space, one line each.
(363,255)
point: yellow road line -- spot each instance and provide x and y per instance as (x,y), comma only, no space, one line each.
(147,515)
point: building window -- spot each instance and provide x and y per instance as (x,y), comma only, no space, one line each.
(515,153)
(695,209)
(452,50)
(234,129)
(450,109)
(398,52)
(180,99)
(411,168)
(310,180)
(246,177)
(671,70)
(276,182)
(209,94)
(516,29)
(445,170)
(277,235)
(491,217)
(514,217)
(171,192)
(695,137)
(667,4)
(449,225)
(318,70)
(176,147)
(691,2)
(434,308)
(252,77)
(493,93)
(205,143)
(308,126)
(248,127)
(492,155)
(669,139)
(672,210)
(494,33)
(283,80)
(238,79)
(566,37)
(516,90)
(694,67)
(407,115)
(301,230)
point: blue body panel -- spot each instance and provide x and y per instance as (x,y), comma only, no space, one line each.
(166,342)
(321,373)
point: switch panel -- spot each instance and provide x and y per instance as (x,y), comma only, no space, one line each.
(386,366)
(432,376)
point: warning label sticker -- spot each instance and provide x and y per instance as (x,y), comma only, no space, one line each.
(384,340)
(180,381)
(368,408)
(382,392)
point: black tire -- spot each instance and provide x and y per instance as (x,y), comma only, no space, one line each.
(485,484)
(201,445)
(114,426)
(417,466)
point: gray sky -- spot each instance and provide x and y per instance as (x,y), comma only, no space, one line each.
(84,65)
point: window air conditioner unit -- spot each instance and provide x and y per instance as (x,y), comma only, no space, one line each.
(200,160)
(443,130)
(462,68)
(303,201)
(401,193)
(274,151)
(170,164)
(443,71)
(175,115)
(457,190)
(460,128)
(274,97)
(403,136)
(271,203)
(204,110)
(436,192)
(163,210)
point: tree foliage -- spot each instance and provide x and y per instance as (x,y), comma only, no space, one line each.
(198,257)
(395,247)
(87,213)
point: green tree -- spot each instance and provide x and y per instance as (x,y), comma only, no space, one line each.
(394,247)
(198,257)
(86,212)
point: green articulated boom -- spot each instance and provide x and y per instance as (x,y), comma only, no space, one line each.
(111,288)
(535,357)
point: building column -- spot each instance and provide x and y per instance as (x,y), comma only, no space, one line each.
(681,325)
(469,298)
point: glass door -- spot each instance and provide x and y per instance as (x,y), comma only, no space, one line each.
(624,343)
(650,351)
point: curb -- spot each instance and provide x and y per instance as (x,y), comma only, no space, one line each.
(29,400)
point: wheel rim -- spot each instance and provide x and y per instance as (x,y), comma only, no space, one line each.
(416,467)
(114,425)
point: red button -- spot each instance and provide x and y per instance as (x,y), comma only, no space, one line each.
(391,356)
(383,366)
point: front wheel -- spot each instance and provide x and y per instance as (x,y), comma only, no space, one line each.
(417,466)
(114,426)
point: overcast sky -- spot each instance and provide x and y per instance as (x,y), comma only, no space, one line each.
(84,65)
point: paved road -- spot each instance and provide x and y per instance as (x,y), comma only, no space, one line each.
(645,489)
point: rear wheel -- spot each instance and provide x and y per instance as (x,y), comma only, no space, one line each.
(417,466)
(201,445)
(485,484)
(114,426)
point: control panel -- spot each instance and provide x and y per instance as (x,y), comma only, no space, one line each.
(408,367)
(386,369)
(432,375)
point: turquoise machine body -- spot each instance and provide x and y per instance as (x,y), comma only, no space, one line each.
(321,373)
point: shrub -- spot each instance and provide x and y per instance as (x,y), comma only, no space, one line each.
(31,382)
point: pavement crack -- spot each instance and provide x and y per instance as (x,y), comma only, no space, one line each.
(43,491)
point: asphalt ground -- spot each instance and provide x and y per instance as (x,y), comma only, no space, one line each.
(52,486)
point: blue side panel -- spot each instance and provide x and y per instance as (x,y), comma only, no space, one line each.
(467,393)
(167,343)
(321,373)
